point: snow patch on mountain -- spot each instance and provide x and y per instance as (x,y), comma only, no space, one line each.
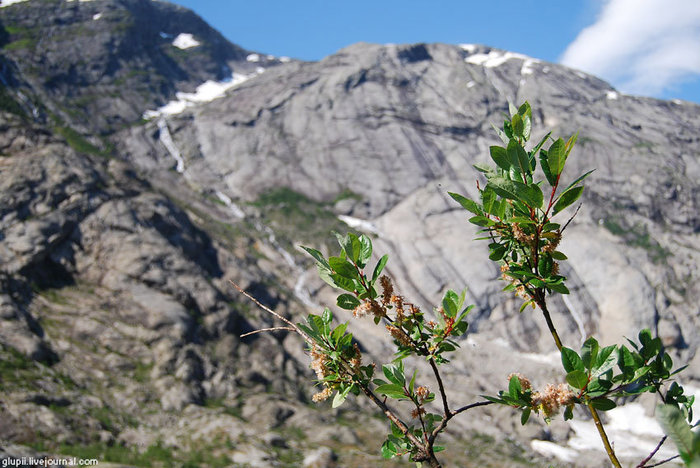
(185,41)
(496,58)
(206,92)
(6,3)
(359,224)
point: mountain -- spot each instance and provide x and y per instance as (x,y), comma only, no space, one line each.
(145,161)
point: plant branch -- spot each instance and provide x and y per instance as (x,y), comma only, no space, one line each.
(661,462)
(542,303)
(643,463)
(451,415)
(267,330)
(298,330)
(604,437)
(441,386)
(425,449)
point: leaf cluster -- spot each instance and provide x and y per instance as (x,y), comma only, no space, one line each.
(513,211)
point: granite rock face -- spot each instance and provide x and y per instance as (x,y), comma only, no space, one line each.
(118,235)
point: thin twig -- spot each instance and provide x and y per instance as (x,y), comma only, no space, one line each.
(267,330)
(452,414)
(306,337)
(572,217)
(653,452)
(662,462)
(441,386)
(468,407)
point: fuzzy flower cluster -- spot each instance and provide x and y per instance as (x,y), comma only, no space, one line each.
(422,393)
(551,399)
(520,290)
(320,363)
(553,243)
(399,335)
(369,307)
(520,236)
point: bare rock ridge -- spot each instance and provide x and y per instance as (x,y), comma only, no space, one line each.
(120,228)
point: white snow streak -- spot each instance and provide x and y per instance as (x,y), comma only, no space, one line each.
(497,58)
(612,95)
(226,200)
(468,47)
(185,41)
(575,315)
(551,449)
(5,3)
(206,92)
(359,224)
(167,140)
(97,16)
(253,58)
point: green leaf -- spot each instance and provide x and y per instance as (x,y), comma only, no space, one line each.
(567,198)
(568,413)
(341,282)
(339,398)
(514,387)
(347,301)
(518,157)
(577,181)
(467,204)
(570,144)
(501,134)
(488,198)
(626,360)
(497,252)
(673,423)
(343,267)
(380,266)
(488,170)
(388,450)
(558,287)
(338,332)
(577,379)
(482,221)
(518,125)
(327,316)
(394,391)
(525,416)
(571,360)
(603,404)
(606,360)
(556,255)
(525,109)
(544,162)
(500,157)
(450,303)
(589,353)
(318,256)
(530,195)
(556,157)
(365,251)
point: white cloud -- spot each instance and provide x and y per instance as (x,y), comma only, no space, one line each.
(641,46)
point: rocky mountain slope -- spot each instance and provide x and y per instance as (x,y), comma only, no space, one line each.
(120,228)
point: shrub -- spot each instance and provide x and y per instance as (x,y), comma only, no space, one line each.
(515,213)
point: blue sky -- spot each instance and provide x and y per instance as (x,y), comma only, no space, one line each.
(645,47)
